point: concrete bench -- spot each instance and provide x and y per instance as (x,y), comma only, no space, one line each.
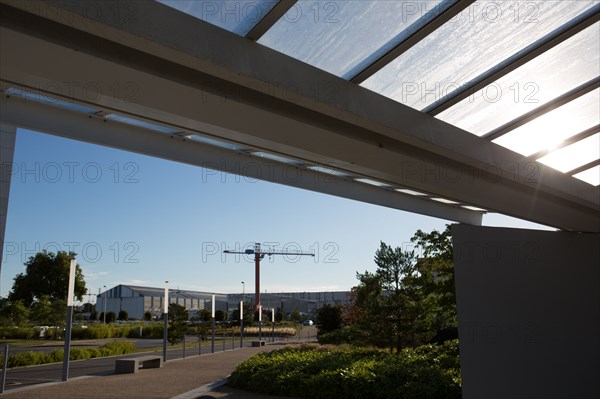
(133,364)
(258,343)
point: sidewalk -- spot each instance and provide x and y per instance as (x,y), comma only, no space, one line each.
(177,378)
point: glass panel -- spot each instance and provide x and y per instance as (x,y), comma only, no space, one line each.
(216,143)
(277,158)
(535,83)
(477,39)
(339,36)
(473,208)
(411,192)
(574,155)
(38,97)
(591,176)
(551,129)
(372,182)
(233,15)
(445,201)
(140,123)
(329,171)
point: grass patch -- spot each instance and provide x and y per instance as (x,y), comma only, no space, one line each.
(312,371)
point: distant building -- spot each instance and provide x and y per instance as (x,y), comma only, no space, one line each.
(139,300)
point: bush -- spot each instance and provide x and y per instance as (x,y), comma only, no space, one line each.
(32,358)
(346,335)
(325,372)
(19,333)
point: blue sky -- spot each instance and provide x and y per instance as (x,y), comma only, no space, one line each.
(140,220)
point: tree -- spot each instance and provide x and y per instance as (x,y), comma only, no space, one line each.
(390,299)
(279,315)
(123,315)
(110,317)
(220,315)
(178,318)
(14,313)
(329,318)
(148,316)
(47,274)
(296,316)
(436,268)
(248,315)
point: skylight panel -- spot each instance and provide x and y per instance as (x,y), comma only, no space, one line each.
(560,69)
(215,142)
(549,130)
(445,201)
(343,36)
(575,155)
(591,176)
(372,182)
(275,157)
(140,123)
(329,171)
(38,97)
(410,192)
(473,208)
(478,38)
(235,16)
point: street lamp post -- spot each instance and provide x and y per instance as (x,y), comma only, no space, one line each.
(104,303)
(166,319)
(243,291)
(213,323)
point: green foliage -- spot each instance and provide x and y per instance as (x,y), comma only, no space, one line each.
(102,331)
(31,358)
(220,315)
(123,315)
(279,315)
(329,318)
(351,334)
(49,312)
(148,316)
(248,318)
(325,372)
(178,318)
(19,332)
(47,273)
(110,317)
(13,313)
(296,316)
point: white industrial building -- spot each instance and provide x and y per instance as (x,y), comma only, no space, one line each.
(138,300)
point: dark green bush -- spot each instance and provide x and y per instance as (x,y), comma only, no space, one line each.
(328,372)
(32,358)
(19,333)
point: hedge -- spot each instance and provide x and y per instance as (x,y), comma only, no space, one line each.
(31,358)
(427,372)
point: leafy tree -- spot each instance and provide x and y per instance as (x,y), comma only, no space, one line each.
(41,310)
(329,318)
(390,298)
(178,318)
(205,315)
(14,313)
(46,274)
(94,314)
(148,316)
(123,315)
(436,268)
(248,315)
(110,317)
(279,315)
(296,316)
(220,315)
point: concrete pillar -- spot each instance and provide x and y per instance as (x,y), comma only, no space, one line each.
(7,151)
(528,304)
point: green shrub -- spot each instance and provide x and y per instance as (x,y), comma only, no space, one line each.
(119,347)
(19,332)
(325,372)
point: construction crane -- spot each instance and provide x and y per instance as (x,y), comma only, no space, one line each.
(258,255)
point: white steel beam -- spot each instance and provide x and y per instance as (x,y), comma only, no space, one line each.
(171,68)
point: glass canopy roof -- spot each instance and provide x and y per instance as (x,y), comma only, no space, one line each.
(534,65)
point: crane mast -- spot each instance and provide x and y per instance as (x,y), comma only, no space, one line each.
(259,254)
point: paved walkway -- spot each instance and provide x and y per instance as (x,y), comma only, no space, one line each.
(182,379)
